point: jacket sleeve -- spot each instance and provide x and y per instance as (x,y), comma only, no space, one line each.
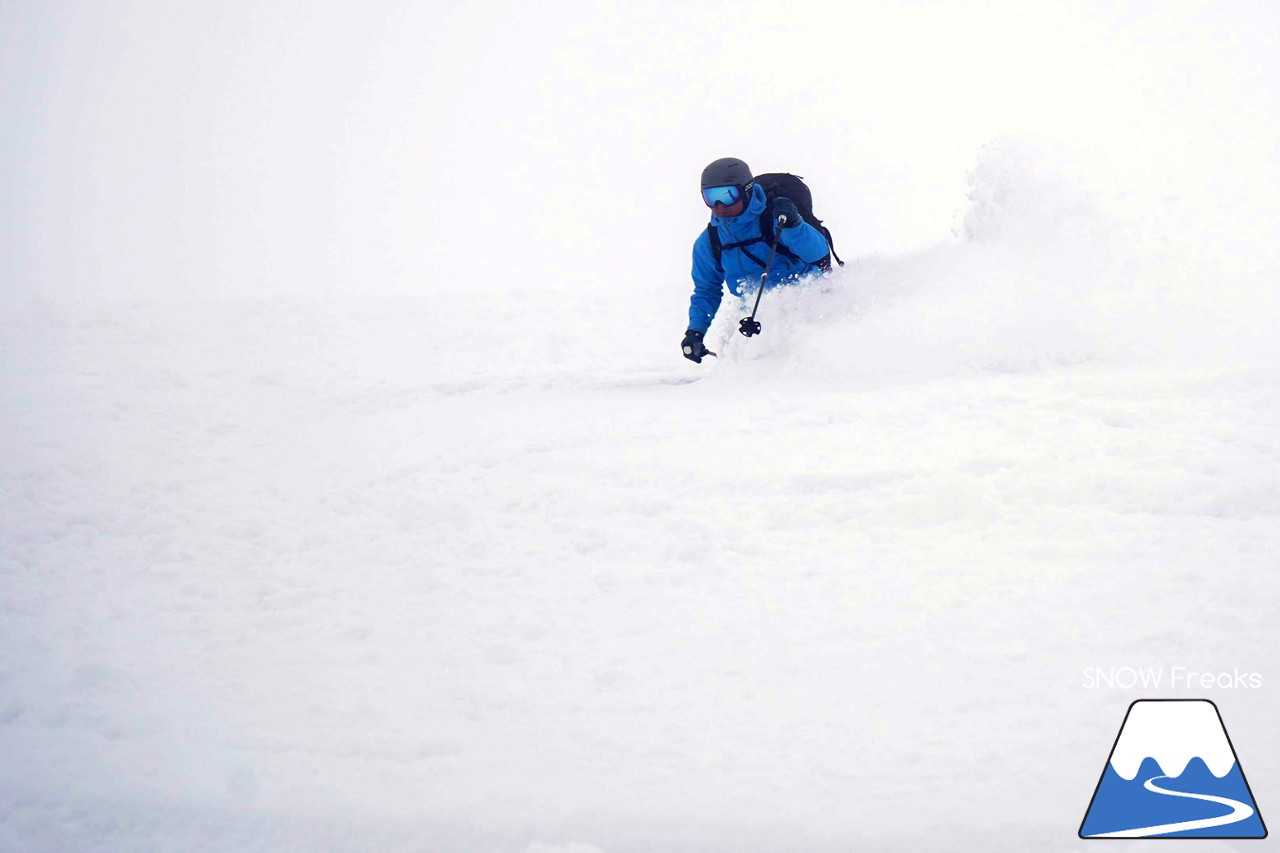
(708,285)
(807,242)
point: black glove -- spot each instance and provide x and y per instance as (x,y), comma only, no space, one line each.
(787,208)
(692,346)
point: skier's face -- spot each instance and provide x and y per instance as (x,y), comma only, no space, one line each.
(734,209)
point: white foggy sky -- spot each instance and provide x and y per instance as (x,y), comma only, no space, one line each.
(289,147)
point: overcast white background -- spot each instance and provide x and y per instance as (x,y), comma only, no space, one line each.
(246,148)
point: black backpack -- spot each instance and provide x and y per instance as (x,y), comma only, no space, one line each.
(779,185)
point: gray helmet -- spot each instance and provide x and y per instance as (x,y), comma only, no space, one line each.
(727,172)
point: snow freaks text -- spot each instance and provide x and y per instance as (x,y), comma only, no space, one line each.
(1174,677)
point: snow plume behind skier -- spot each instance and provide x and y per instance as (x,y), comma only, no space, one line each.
(735,248)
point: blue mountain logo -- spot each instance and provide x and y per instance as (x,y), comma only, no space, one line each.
(1173,773)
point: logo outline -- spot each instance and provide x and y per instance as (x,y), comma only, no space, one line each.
(1235,755)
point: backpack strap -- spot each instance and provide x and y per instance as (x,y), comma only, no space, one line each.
(766,227)
(713,234)
(717,248)
(831,244)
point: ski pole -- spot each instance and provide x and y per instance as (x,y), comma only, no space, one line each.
(750,325)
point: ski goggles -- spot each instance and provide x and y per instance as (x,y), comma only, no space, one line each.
(721,195)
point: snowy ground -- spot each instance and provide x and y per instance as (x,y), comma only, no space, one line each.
(495,573)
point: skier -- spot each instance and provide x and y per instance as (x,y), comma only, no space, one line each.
(740,250)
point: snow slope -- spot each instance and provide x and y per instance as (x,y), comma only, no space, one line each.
(410,574)
(354,496)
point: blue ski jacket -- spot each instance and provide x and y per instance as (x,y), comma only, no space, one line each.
(738,266)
